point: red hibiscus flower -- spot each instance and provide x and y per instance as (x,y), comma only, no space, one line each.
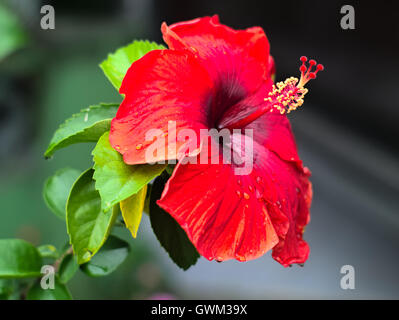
(215,77)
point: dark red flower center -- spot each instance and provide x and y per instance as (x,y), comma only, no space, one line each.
(227,93)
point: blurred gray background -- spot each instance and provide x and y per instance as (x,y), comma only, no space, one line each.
(346,132)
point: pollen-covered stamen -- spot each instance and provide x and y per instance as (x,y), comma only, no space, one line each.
(285,96)
(288,95)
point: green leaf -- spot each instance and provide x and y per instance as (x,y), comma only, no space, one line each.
(169,233)
(56,190)
(115,180)
(48,251)
(117,64)
(169,169)
(12,36)
(19,259)
(110,257)
(88,225)
(60,292)
(6,288)
(86,126)
(132,210)
(68,268)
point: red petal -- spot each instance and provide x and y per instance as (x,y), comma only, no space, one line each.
(273,130)
(293,189)
(272,68)
(164,85)
(292,248)
(237,60)
(210,38)
(228,216)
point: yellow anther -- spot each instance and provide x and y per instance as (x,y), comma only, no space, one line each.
(286,96)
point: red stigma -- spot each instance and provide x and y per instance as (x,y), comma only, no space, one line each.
(307,73)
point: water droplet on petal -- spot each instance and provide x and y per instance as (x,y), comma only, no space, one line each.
(238,193)
(251,188)
(239,182)
(259,180)
(139,146)
(246,195)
